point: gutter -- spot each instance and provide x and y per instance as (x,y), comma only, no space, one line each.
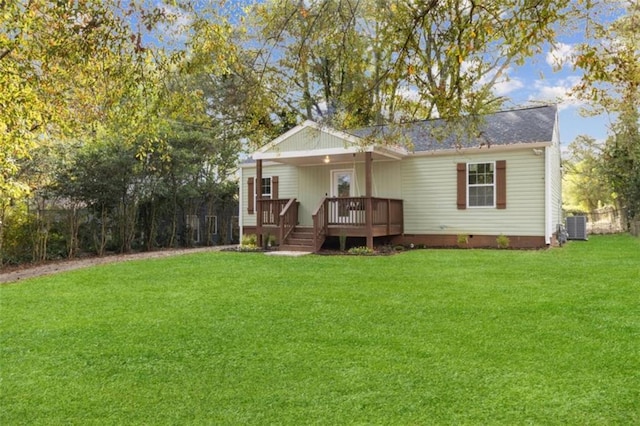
(548,214)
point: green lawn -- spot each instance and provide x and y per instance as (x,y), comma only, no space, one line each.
(422,337)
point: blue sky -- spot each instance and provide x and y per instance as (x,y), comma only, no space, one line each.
(540,80)
(550,76)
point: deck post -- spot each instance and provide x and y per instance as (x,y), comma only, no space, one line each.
(369,203)
(259,207)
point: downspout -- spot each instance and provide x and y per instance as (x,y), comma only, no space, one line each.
(548,213)
(258,189)
(240,205)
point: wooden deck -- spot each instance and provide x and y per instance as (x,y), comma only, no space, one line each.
(367,217)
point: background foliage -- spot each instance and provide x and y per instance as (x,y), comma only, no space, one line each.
(122,114)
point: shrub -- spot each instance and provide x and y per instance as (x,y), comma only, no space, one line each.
(361,251)
(502,241)
(463,239)
(249,240)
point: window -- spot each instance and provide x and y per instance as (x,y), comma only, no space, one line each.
(481,184)
(193,227)
(266,188)
(212,225)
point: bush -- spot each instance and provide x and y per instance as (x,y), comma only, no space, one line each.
(17,244)
(361,251)
(502,241)
(249,240)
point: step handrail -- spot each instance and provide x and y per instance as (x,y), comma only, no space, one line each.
(288,219)
(320,224)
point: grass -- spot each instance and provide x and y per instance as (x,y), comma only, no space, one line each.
(423,337)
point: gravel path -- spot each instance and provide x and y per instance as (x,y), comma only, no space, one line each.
(30,271)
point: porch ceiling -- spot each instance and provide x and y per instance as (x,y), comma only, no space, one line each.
(333,155)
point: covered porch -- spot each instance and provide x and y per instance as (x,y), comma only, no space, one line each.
(329,198)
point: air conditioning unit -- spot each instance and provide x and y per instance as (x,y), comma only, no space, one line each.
(577,227)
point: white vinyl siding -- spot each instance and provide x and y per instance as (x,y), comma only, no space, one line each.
(429,192)
(555,185)
(309,139)
(427,184)
(287,186)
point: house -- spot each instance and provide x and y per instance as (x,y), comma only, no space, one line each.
(315,182)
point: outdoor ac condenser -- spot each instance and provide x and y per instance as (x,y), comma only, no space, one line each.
(577,227)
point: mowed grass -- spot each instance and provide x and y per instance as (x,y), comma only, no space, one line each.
(422,337)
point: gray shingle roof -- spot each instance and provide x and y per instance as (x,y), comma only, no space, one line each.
(526,125)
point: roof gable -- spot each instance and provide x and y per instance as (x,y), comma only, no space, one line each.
(310,136)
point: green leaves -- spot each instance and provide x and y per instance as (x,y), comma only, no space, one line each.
(354,63)
(611,82)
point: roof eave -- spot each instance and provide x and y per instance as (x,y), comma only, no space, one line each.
(485,148)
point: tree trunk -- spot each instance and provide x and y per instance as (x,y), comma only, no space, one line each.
(101,239)
(152,227)
(174,221)
(74,225)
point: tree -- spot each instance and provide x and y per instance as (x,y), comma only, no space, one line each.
(611,82)
(101,73)
(358,63)
(587,187)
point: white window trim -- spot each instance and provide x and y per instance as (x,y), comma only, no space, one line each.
(333,173)
(270,194)
(213,218)
(255,191)
(494,184)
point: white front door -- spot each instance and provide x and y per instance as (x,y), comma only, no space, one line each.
(341,183)
(341,187)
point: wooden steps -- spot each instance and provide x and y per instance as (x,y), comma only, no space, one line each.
(301,239)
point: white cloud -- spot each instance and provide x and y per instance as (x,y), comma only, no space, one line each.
(557,91)
(173,29)
(504,83)
(504,86)
(560,55)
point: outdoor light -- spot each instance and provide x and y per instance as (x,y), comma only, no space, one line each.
(326,159)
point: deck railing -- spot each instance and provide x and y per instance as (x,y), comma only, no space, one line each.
(351,211)
(348,212)
(271,210)
(288,219)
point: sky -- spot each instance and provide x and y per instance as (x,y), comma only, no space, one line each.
(545,78)
(550,76)
(540,80)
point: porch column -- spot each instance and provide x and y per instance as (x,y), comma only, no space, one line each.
(368,178)
(258,188)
